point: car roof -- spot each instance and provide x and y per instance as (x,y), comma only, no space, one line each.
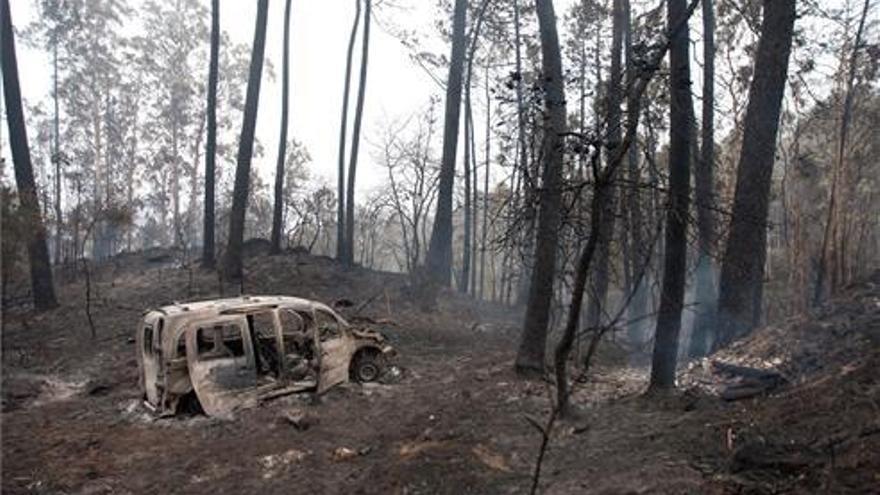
(239,304)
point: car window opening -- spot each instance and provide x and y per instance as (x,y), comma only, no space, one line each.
(266,355)
(328,326)
(220,342)
(148,340)
(299,345)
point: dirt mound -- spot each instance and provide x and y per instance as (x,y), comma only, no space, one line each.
(818,426)
(839,334)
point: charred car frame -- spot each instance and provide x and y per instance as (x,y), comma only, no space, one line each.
(234,353)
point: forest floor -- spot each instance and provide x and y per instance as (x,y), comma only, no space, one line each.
(453,423)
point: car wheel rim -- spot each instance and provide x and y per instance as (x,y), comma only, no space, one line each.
(368,372)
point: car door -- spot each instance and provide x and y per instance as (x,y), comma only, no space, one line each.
(336,347)
(221,364)
(149,351)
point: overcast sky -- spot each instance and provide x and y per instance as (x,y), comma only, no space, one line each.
(319,36)
(396,86)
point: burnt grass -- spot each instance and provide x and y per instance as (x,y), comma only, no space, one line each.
(454,422)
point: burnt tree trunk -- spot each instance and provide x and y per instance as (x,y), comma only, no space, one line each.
(705,295)
(742,269)
(472,144)
(563,348)
(211,145)
(282,139)
(606,230)
(232,266)
(485,222)
(470,168)
(56,154)
(340,183)
(38,252)
(831,223)
(464,281)
(438,262)
(636,250)
(601,181)
(356,139)
(675,262)
(522,290)
(533,344)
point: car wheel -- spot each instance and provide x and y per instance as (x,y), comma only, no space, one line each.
(367,366)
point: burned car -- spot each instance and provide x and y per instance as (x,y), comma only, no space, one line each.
(228,354)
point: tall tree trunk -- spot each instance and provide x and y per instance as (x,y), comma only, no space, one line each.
(485,224)
(131,170)
(196,153)
(56,154)
(522,292)
(833,199)
(438,261)
(38,252)
(282,140)
(472,143)
(468,274)
(705,292)
(530,357)
(208,259)
(675,263)
(602,179)
(356,139)
(582,102)
(175,181)
(606,230)
(98,196)
(638,306)
(742,269)
(340,175)
(563,348)
(464,281)
(232,259)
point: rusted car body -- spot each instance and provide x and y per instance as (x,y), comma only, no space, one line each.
(234,353)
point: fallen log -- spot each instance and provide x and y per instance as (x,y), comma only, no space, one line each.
(751,382)
(746,372)
(738,392)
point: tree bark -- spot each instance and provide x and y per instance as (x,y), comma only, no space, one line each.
(38,252)
(175,177)
(56,154)
(606,230)
(208,259)
(522,292)
(232,259)
(704,173)
(472,144)
(464,281)
(675,262)
(282,140)
(563,348)
(340,184)
(530,357)
(742,270)
(601,180)
(356,139)
(438,262)
(485,223)
(468,274)
(638,305)
(828,240)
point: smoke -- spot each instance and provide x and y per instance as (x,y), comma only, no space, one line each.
(697,319)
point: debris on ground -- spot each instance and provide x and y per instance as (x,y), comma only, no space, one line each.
(453,417)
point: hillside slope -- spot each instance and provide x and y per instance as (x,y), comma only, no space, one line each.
(454,422)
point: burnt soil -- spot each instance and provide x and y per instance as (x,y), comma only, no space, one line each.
(453,422)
